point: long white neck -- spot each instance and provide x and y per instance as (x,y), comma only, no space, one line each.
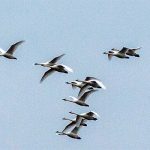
(73,113)
(68,100)
(61,133)
(67,119)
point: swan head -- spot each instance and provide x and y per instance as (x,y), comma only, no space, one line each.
(64,118)
(67,82)
(105,53)
(64,99)
(39,64)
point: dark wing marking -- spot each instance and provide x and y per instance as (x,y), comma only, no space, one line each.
(83,121)
(14,47)
(56,59)
(123,50)
(130,52)
(73,86)
(110,56)
(86,94)
(90,78)
(46,74)
(69,126)
(90,113)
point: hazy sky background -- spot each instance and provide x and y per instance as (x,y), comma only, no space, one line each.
(31,113)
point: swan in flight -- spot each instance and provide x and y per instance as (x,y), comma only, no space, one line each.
(119,54)
(81,99)
(9,53)
(74,122)
(51,62)
(73,133)
(130,52)
(92,82)
(88,116)
(56,67)
(76,83)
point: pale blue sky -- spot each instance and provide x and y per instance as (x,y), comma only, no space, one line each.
(30,112)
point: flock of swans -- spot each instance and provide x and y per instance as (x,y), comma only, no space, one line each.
(87,86)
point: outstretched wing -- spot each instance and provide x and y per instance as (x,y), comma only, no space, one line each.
(90,78)
(56,59)
(14,47)
(123,50)
(134,49)
(86,94)
(84,87)
(76,130)
(78,125)
(69,126)
(78,120)
(46,74)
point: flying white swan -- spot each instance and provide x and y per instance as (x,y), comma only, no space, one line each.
(81,99)
(74,122)
(57,67)
(119,54)
(73,133)
(9,53)
(92,82)
(51,62)
(88,116)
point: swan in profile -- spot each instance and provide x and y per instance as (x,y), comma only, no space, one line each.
(56,67)
(132,52)
(73,133)
(74,122)
(76,83)
(92,82)
(117,53)
(51,62)
(81,99)
(88,116)
(9,53)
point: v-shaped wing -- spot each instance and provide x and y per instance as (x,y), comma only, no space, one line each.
(123,50)
(90,113)
(86,94)
(69,126)
(46,74)
(90,78)
(84,87)
(14,47)
(56,59)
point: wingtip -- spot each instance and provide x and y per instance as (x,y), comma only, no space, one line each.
(22,41)
(41,81)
